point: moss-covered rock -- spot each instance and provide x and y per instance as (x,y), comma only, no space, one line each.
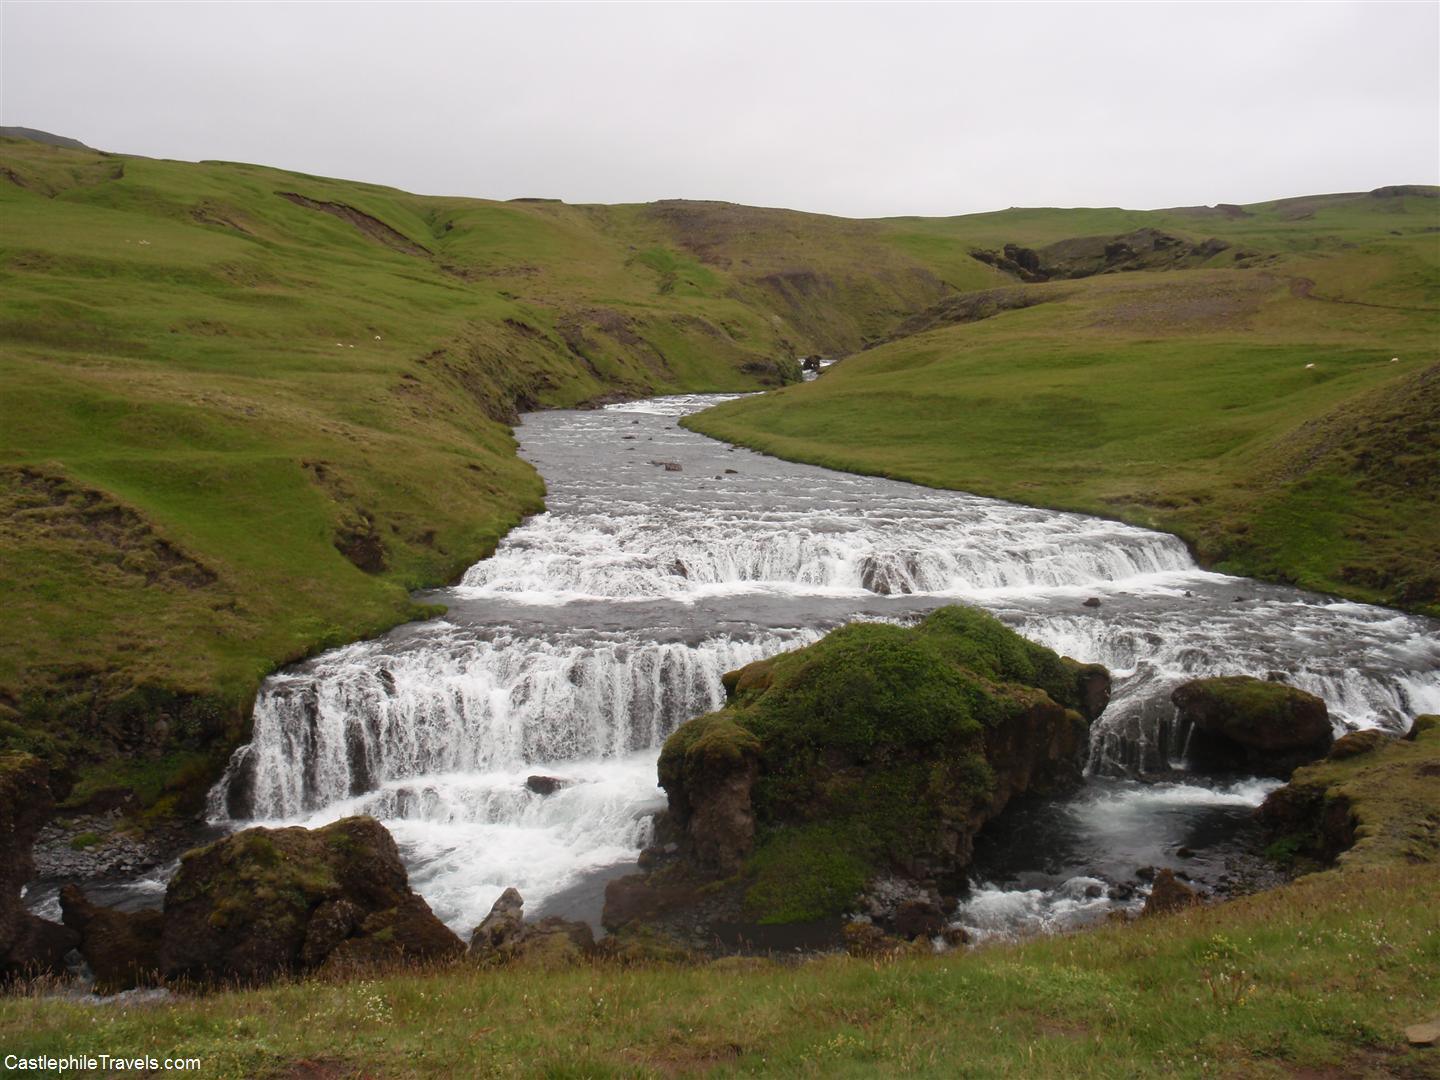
(1355,743)
(1242,723)
(266,901)
(1422,724)
(878,747)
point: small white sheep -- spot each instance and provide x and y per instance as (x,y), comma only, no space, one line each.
(1309,366)
(1394,359)
(377,337)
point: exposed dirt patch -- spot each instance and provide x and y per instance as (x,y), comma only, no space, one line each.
(372,227)
(357,537)
(212,213)
(38,507)
(972,307)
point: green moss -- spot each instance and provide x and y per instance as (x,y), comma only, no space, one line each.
(85,840)
(716,742)
(1243,695)
(807,872)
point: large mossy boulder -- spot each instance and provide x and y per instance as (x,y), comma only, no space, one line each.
(877,749)
(263,902)
(29,945)
(1239,723)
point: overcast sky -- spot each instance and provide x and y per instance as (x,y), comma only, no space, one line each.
(851,109)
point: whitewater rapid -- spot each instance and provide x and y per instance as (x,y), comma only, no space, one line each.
(664,560)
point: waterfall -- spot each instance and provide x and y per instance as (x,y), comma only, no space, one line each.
(599,626)
(1310,645)
(361,717)
(676,554)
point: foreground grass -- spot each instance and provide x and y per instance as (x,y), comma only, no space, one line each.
(1318,978)
(1322,975)
(1259,413)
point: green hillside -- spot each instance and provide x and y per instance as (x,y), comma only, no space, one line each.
(1266,387)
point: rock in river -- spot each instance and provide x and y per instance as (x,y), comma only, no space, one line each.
(1247,724)
(878,749)
(267,901)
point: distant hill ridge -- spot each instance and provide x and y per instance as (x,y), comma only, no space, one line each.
(36,135)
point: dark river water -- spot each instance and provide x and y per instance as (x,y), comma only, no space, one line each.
(600,625)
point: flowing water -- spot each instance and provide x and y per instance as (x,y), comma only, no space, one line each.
(665,559)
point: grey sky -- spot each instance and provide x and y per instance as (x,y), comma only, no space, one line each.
(852,109)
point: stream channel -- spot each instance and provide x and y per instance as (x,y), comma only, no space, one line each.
(600,625)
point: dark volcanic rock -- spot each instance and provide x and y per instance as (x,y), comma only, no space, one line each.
(122,949)
(1168,894)
(1249,724)
(919,918)
(505,937)
(546,785)
(267,901)
(28,944)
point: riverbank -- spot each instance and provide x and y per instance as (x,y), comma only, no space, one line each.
(1321,976)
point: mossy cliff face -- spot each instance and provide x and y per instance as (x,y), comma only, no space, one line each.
(267,901)
(879,748)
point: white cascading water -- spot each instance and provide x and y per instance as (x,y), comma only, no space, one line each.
(602,624)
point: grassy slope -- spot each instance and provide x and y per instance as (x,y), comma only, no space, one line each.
(1318,978)
(207,390)
(1177,400)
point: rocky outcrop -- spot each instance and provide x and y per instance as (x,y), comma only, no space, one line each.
(878,750)
(263,902)
(122,948)
(1085,256)
(1246,724)
(28,944)
(504,937)
(1169,894)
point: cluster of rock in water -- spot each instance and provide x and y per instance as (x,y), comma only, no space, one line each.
(268,902)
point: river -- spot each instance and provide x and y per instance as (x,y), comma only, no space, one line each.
(665,559)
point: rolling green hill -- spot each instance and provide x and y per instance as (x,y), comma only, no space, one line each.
(244,412)
(1260,380)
